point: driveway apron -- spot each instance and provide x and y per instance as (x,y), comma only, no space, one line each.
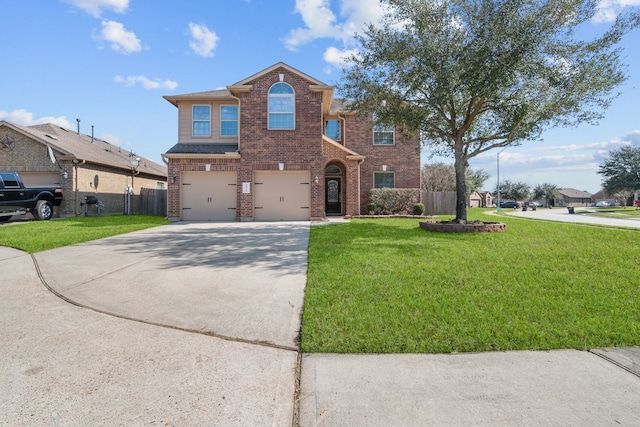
(242,281)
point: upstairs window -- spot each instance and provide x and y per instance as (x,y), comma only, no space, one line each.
(384,180)
(332,129)
(281,107)
(228,120)
(382,135)
(201,119)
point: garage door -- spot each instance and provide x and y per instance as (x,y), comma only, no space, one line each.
(209,196)
(281,196)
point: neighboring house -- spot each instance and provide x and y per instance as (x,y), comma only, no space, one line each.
(573,197)
(481,199)
(278,146)
(602,196)
(84,166)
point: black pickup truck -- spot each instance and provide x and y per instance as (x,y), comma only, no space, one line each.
(16,199)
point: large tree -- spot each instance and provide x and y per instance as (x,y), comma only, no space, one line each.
(621,172)
(514,190)
(474,75)
(546,191)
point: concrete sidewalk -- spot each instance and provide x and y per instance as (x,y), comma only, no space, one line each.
(230,296)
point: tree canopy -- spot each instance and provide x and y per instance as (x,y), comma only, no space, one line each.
(621,170)
(514,190)
(473,75)
(440,176)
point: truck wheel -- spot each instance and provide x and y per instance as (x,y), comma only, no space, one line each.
(44,210)
(5,218)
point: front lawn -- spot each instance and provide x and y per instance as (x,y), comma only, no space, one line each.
(42,235)
(387,286)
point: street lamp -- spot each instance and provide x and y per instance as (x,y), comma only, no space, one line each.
(498,179)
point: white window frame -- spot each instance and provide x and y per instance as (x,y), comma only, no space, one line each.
(381,129)
(194,121)
(386,173)
(237,120)
(281,95)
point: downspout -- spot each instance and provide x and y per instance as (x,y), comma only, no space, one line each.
(240,166)
(76,162)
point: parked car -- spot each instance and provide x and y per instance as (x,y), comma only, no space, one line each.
(533,204)
(512,205)
(602,204)
(16,199)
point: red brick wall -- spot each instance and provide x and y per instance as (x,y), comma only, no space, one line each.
(402,158)
(298,149)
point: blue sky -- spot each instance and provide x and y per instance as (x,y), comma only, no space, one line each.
(109,62)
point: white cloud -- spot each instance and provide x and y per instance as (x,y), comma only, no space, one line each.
(121,40)
(25,118)
(608,10)
(337,57)
(322,22)
(203,40)
(146,83)
(95,7)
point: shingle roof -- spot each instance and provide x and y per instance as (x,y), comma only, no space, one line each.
(215,149)
(572,193)
(83,147)
(209,94)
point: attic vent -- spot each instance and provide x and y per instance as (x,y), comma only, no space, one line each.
(51,136)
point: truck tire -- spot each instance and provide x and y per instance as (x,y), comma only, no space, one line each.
(5,218)
(43,211)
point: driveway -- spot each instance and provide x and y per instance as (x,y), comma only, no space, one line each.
(239,286)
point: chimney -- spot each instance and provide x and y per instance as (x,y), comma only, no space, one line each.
(78,120)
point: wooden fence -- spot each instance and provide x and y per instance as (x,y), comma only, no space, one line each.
(153,202)
(438,202)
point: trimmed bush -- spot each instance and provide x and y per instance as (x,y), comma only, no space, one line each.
(418,209)
(394,201)
(371,208)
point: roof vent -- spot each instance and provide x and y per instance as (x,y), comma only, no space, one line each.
(51,136)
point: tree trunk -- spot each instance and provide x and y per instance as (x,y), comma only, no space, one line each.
(461,183)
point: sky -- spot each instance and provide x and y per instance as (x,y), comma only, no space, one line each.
(109,62)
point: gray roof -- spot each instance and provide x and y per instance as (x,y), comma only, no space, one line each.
(69,143)
(215,149)
(572,193)
(339,105)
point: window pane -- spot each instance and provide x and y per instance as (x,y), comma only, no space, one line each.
(383,180)
(229,112)
(201,112)
(201,129)
(281,121)
(281,88)
(383,138)
(229,128)
(281,104)
(332,129)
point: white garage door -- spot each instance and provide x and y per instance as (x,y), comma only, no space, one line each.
(281,196)
(209,196)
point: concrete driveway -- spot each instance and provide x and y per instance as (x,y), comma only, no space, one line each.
(240,286)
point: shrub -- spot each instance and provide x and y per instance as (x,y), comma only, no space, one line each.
(371,208)
(418,209)
(391,201)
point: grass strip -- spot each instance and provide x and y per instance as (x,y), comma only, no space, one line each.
(39,236)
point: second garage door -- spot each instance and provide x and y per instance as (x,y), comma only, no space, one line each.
(281,196)
(209,196)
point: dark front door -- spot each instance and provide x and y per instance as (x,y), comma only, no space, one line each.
(332,196)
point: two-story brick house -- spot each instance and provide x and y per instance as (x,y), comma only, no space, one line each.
(278,146)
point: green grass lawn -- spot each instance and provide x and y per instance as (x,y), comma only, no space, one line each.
(387,286)
(42,235)
(623,213)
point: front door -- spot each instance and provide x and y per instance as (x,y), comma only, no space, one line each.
(332,196)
